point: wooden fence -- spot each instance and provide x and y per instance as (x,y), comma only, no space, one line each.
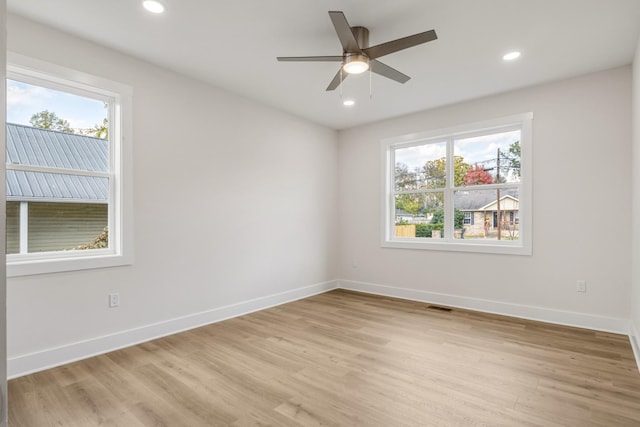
(408,230)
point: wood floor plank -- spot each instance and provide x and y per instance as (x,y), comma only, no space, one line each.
(346,359)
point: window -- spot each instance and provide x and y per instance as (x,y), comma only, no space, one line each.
(466,188)
(468,218)
(68,169)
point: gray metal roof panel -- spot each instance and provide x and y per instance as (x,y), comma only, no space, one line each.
(46,148)
(23,185)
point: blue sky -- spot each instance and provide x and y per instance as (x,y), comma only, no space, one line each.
(25,100)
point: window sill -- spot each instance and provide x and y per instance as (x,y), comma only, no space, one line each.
(479,246)
(26,266)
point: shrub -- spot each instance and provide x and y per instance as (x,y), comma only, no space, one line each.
(458,218)
(101,241)
(425,230)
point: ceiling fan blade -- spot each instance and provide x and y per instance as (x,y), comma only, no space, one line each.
(383,49)
(337,79)
(386,71)
(345,34)
(311,58)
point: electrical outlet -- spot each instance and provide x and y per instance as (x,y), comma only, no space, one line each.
(581,286)
(114,300)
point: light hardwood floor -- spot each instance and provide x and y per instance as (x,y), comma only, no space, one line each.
(348,359)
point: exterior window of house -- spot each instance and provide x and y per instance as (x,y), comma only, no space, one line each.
(68,161)
(466,188)
(468,218)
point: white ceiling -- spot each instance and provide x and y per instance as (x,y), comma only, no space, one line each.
(234,43)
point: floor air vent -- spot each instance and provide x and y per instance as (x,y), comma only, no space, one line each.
(438,308)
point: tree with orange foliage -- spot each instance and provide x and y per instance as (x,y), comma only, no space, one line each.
(477,176)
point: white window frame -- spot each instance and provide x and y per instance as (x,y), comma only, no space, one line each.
(119,96)
(522,246)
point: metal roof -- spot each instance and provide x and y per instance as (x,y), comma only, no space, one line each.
(53,149)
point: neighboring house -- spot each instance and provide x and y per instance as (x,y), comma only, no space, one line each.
(49,211)
(404,216)
(408,217)
(481,211)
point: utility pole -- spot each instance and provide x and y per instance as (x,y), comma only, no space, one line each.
(498,194)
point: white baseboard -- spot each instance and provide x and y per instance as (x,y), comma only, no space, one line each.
(634,337)
(567,318)
(28,363)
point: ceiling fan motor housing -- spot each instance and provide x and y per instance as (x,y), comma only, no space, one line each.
(362,36)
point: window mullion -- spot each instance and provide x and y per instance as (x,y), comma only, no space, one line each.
(420,191)
(60,171)
(448,192)
(24,227)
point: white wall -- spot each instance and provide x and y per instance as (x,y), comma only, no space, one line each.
(234,202)
(635,279)
(582,210)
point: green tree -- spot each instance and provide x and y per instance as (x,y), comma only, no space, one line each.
(438,217)
(458,218)
(407,180)
(49,120)
(434,171)
(408,203)
(99,130)
(512,158)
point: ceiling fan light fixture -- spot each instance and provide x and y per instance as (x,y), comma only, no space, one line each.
(348,102)
(354,63)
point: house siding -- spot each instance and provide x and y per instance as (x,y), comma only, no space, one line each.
(477,228)
(13,227)
(60,226)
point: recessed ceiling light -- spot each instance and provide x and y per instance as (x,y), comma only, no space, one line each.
(511,56)
(348,102)
(153,6)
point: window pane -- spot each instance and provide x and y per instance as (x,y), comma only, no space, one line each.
(31,108)
(487,214)
(65,211)
(66,226)
(420,167)
(419,215)
(488,159)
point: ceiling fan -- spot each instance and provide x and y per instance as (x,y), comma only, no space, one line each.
(357,57)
